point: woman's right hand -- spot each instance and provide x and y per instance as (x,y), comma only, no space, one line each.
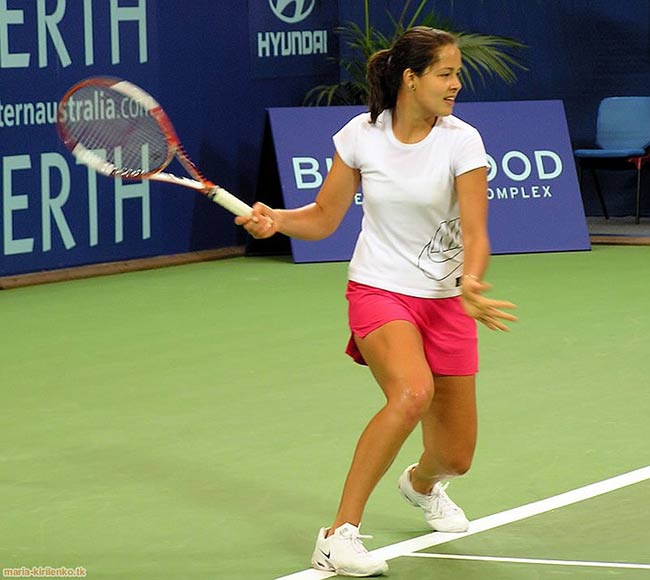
(262,223)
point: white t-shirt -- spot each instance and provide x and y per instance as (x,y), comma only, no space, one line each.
(410,240)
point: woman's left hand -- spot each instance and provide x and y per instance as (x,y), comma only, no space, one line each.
(486,310)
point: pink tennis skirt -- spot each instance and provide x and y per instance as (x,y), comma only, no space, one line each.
(448,334)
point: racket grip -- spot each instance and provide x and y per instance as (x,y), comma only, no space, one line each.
(227,200)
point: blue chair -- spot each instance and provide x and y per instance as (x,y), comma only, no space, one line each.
(622,142)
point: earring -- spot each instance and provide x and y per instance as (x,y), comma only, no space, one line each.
(412,87)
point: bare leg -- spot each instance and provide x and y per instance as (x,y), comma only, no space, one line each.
(395,356)
(449,430)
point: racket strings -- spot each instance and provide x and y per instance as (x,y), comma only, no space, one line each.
(102,119)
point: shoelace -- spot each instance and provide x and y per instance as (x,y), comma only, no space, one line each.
(355,540)
(444,503)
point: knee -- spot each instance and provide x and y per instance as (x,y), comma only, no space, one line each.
(413,402)
(458,464)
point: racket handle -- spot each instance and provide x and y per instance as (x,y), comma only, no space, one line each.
(229,201)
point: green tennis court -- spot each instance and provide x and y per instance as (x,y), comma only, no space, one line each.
(198,421)
(591,539)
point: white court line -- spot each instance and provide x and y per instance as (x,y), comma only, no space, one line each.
(495,520)
(586,564)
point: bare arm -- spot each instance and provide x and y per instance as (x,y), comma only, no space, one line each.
(314,221)
(472,198)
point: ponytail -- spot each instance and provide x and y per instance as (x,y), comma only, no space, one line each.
(383,83)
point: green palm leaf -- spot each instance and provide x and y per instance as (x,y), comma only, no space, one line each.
(485,56)
(488,56)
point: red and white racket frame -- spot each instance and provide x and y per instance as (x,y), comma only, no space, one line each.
(198,182)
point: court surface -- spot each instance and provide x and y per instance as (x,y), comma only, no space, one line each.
(198,421)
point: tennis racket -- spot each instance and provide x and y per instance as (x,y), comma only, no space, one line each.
(120,131)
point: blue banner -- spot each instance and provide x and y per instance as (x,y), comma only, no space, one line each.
(53,211)
(534,198)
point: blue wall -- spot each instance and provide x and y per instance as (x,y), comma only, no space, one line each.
(578,51)
(198,62)
(195,58)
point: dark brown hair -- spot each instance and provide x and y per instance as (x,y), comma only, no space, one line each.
(416,49)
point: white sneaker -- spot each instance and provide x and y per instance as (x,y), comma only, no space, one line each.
(344,553)
(442,514)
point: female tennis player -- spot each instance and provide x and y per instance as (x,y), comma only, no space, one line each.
(415,285)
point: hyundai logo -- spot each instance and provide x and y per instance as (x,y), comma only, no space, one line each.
(292,11)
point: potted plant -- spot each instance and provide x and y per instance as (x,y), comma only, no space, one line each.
(483,55)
